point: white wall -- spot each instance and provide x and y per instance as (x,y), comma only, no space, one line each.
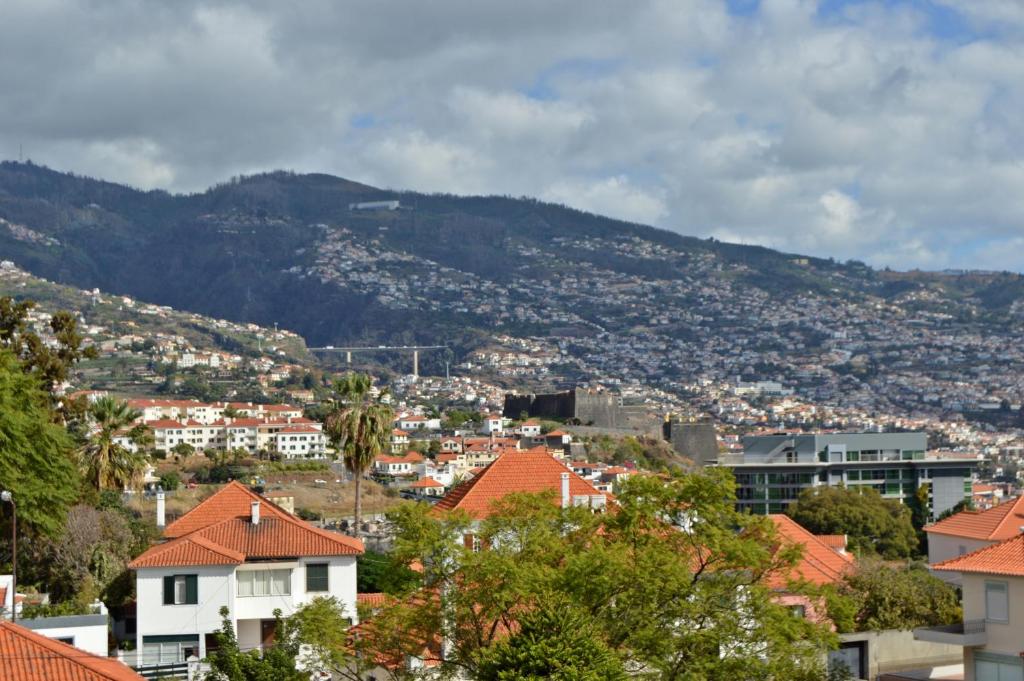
(943,547)
(92,639)
(1002,638)
(216,587)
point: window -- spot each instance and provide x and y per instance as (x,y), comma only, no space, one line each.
(798,611)
(169,649)
(316,577)
(70,640)
(181,590)
(264,582)
(997,606)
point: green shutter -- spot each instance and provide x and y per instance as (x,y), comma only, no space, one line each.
(169,590)
(192,589)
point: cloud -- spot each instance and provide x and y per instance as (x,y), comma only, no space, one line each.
(884,131)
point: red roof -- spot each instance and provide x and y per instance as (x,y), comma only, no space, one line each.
(1004,558)
(232,500)
(425,483)
(28,656)
(219,531)
(164,423)
(997,523)
(820,563)
(835,541)
(530,471)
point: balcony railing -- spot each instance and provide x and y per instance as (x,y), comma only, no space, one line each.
(969,633)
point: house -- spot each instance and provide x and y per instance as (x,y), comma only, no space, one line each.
(530,429)
(993,603)
(300,442)
(399,440)
(240,551)
(397,465)
(492,423)
(968,531)
(530,471)
(26,655)
(427,487)
(85,632)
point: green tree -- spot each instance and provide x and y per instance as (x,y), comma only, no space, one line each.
(48,364)
(183,450)
(322,629)
(554,641)
(35,454)
(896,597)
(380,572)
(360,428)
(675,582)
(106,463)
(276,663)
(873,525)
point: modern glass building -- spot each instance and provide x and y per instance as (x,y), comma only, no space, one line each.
(774,469)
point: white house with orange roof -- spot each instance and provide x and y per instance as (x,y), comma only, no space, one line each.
(235,550)
(530,471)
(398,465)
(992,629)
(427,487)
(399,440)
(968,531)
(300,442)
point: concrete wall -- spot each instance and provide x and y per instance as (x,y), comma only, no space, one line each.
(895,651)
(943,547)
(695,441)
(88,632)
(1003,638)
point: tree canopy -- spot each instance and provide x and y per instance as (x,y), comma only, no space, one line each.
(673,584)
(878,596)
(35,453)
(873,525)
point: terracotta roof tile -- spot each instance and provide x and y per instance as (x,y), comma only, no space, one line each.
(1004,558)
(997,523)
(426,482)
(219,531)
(820,563)
(834,541)
(232,500)
(530,471)
(28,656)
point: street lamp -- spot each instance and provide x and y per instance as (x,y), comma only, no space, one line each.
(6,495)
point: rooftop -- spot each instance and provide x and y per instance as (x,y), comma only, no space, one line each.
(997,523)
(28,656)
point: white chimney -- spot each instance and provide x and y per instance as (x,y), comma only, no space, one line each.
(565,491)
(255,513)
(161,509)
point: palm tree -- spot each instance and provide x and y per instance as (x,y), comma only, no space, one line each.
(105,463)
(359,428)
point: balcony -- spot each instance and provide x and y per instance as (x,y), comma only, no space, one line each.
(969,633)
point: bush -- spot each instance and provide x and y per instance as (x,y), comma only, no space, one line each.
(170,481)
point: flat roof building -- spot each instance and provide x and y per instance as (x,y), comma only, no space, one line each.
(773,470)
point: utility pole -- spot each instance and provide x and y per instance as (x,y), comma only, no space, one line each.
(8,497)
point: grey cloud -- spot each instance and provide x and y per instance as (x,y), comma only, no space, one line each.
(861,137)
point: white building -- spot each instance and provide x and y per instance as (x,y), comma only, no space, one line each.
(235,550)
(301,442)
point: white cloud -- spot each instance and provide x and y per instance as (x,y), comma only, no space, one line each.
(855,136)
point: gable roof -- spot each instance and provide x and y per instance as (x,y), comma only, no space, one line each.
(425,483)
(219,531)
(529,471)
(997,523)
(1004,558)
(231,500)
(28,656)
(820,563)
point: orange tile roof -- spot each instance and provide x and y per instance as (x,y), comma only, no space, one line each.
(28,656)
(530,471)
(188,550)
(232,500)
(997,523)
(372,599)
(219,531)
(426,482)
(835,541)
(1004,558)
(164,423)
(820,564)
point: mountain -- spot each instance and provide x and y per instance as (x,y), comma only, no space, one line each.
(616,300)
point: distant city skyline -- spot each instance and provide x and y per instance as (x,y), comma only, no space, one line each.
(886,131)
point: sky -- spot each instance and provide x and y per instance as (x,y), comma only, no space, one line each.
(888,131)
